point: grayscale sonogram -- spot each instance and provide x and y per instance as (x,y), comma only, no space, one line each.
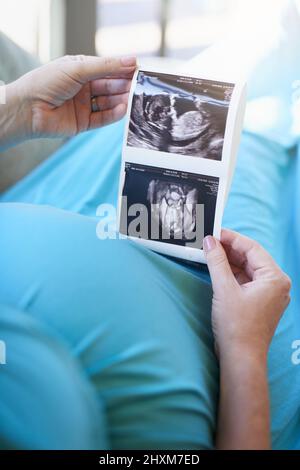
(179,115)
(175,205)
(169,200)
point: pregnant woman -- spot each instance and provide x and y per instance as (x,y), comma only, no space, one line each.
(110,345)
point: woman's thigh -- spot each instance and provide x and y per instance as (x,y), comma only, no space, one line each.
(259,206)
(46,402)
(138,323)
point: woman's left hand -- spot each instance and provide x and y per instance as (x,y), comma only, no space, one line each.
(72,94)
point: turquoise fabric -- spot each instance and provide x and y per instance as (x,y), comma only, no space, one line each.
(131,326)
(41,382)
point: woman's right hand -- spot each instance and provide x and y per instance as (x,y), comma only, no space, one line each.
(66,96)
(250,294)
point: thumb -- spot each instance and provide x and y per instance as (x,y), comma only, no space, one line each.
(86,68)
(219,268)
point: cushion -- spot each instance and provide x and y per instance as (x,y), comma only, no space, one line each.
(18,161)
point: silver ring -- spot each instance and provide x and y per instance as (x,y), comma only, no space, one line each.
(95,107)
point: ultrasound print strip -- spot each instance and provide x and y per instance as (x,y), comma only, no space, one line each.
(179,115)
(169,201)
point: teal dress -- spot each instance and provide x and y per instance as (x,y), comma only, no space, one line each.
(109,345)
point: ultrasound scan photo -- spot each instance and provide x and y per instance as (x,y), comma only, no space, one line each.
(171,198)
(179,115)
(175,205)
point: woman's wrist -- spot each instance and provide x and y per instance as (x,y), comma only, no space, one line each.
(244,410)
(15,116)
(237,353)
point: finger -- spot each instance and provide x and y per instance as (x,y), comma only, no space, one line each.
(247,253)
(239,273)
(237,261)
(103,118)
(108,86)
(241,277)
(127,75)
(109,102)
(219,268)
(235,258)
(86,68)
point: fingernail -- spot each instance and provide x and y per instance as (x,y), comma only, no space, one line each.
(128,61)
(209,244)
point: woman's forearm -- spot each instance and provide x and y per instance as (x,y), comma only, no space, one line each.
(244,416)
(250,295)
(15,116)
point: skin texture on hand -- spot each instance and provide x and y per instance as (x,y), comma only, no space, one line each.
(55,100)
(250,295)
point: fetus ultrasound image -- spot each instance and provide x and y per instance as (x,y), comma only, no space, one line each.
(179,115)
(170,199)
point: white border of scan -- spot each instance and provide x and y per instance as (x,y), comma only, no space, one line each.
(223,169)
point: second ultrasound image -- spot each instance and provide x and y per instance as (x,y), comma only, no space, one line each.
(179,115)
(169,200)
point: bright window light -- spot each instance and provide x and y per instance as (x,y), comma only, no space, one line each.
(136,26)
(20,21)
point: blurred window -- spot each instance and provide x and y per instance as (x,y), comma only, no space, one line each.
(20,21)
(174,28)
(29,24)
